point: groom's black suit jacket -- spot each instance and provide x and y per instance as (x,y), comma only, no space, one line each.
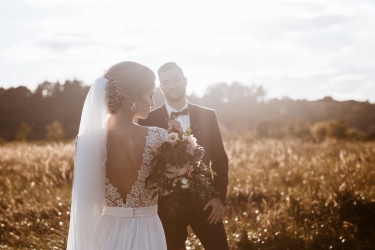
(205,127)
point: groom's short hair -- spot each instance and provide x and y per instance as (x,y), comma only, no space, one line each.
(168,66)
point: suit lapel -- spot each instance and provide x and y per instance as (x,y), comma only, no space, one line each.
(163,111)
(198,127)
(163,117)
(194,119)
(192,115)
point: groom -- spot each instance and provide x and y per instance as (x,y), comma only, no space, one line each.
(204,219)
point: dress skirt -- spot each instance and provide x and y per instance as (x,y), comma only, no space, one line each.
(131,229)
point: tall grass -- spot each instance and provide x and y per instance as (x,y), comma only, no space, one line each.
(294,195)
(35,189)
(282,195)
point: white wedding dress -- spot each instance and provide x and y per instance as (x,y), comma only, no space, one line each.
(100,219)
(134,224)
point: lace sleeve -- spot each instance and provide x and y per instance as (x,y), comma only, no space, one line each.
(163,134)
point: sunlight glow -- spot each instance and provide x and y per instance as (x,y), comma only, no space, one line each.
(299,49)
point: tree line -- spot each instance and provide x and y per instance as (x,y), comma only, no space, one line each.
(53,112)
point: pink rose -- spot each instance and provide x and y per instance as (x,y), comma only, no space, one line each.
(192,144)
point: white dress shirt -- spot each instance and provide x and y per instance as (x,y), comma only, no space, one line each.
(183,119)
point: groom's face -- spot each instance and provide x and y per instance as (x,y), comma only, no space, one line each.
(173,84)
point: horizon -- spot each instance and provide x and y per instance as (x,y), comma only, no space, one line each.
(296,49)
(266,99)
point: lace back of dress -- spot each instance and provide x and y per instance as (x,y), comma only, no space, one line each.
(138,196)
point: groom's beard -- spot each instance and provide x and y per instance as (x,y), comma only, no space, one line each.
(177,98)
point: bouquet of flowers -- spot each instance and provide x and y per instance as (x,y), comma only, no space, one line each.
(178,167)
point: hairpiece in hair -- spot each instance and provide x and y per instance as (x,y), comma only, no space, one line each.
(114,84)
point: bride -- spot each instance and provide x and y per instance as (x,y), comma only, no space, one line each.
(111,209)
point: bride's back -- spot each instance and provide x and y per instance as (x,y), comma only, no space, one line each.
(125,149)
(129,95)
(113,219)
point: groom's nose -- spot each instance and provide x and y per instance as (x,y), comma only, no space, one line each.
(175,85)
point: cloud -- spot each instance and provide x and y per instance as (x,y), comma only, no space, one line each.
(312,6)
(297,48)
(48,3)
(286,27)
(55,45)
(63,45)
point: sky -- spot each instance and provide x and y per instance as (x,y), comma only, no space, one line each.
(299,49)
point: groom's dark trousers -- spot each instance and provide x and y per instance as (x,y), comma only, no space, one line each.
(205,128)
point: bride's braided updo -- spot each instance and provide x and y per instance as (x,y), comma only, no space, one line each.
(127,81)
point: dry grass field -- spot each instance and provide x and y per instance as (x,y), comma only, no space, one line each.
(283,194)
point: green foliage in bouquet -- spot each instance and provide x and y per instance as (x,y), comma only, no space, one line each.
(177,167)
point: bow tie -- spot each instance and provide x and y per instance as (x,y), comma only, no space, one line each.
(182,112)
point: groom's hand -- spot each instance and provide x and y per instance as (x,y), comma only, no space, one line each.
(217,210)
(174,124)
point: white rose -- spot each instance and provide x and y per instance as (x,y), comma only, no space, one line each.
(172,137)
(184,183)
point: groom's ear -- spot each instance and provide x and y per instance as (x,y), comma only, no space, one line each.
(185,80)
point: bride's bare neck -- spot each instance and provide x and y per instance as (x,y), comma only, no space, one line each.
(121,120)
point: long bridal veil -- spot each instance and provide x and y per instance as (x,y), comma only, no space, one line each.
(89,171)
